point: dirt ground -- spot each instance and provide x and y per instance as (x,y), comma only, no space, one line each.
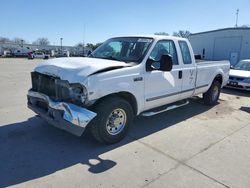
(193,146)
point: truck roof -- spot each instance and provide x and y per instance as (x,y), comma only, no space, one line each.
(157,37)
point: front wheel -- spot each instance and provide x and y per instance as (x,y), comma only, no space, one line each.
(212,95)
(114,116)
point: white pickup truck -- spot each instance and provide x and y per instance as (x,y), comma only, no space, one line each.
(124,77)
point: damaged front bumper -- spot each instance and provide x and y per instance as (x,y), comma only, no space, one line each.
(66,116)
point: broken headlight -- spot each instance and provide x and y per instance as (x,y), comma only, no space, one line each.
(78,93)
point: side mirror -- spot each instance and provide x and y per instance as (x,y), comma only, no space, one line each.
(165,64)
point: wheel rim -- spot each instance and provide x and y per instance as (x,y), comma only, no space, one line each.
(116,121)
(215,93)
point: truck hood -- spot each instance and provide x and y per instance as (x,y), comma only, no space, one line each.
(239,73)
(76,69)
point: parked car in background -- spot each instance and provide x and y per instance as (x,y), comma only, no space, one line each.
(239,75)
(64,53)
(21,52)
(38,55)
(7,53)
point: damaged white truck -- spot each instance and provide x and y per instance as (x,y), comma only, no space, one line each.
(124,77)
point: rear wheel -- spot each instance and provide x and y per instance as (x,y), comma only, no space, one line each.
(212,95)
(112,121)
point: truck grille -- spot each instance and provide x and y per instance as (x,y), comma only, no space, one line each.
(51,86)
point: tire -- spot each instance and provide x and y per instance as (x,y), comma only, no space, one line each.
(212,95)
(114,115)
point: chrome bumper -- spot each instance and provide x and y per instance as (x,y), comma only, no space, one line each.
(66,116)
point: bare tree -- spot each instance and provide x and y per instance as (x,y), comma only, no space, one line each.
(41,41)
(4,39)
(19,41)
(182,33)
(80,45)
(161,33)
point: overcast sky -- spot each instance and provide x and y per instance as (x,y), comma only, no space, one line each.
(96,20)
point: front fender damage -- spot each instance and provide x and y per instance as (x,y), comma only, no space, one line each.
(66,116)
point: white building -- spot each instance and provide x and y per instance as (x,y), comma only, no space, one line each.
(223,44)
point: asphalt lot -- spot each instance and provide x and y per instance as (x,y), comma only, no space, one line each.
(193,146)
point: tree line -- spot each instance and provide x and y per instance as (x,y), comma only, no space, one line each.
(88,45)
(42,41)
(181,33)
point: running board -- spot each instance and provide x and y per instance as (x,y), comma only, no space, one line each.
(166,108)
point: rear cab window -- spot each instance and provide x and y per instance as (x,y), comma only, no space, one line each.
(185,52)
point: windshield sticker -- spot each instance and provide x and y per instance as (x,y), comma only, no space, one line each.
(144,40)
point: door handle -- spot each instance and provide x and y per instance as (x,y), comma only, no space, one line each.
(180,74)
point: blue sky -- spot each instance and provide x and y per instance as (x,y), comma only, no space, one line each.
(103,19)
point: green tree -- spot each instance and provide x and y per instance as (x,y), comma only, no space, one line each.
(90,46)
(97,45)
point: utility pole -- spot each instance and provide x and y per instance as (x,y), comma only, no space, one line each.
(83,41)
(22,43)
(61,44)
(237,14)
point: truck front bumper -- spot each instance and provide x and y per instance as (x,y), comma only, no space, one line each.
(66,116)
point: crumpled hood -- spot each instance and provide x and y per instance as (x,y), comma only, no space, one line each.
(239,73)
(76,69)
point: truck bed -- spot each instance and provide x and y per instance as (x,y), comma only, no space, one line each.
(207,70)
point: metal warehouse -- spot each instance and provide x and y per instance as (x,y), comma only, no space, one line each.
(231,44)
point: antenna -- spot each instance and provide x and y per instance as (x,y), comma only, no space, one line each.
(237,14)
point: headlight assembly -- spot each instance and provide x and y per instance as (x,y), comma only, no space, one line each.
(78,93)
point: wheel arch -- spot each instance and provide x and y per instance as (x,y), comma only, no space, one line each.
(129,97)
(218,78)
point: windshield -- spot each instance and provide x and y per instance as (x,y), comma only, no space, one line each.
(243,65)
(127,49)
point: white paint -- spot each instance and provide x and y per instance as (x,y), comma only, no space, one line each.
(239,73)
(153,84)
(75,69)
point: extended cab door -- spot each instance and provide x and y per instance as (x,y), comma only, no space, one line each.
(188,70)
(162,87)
